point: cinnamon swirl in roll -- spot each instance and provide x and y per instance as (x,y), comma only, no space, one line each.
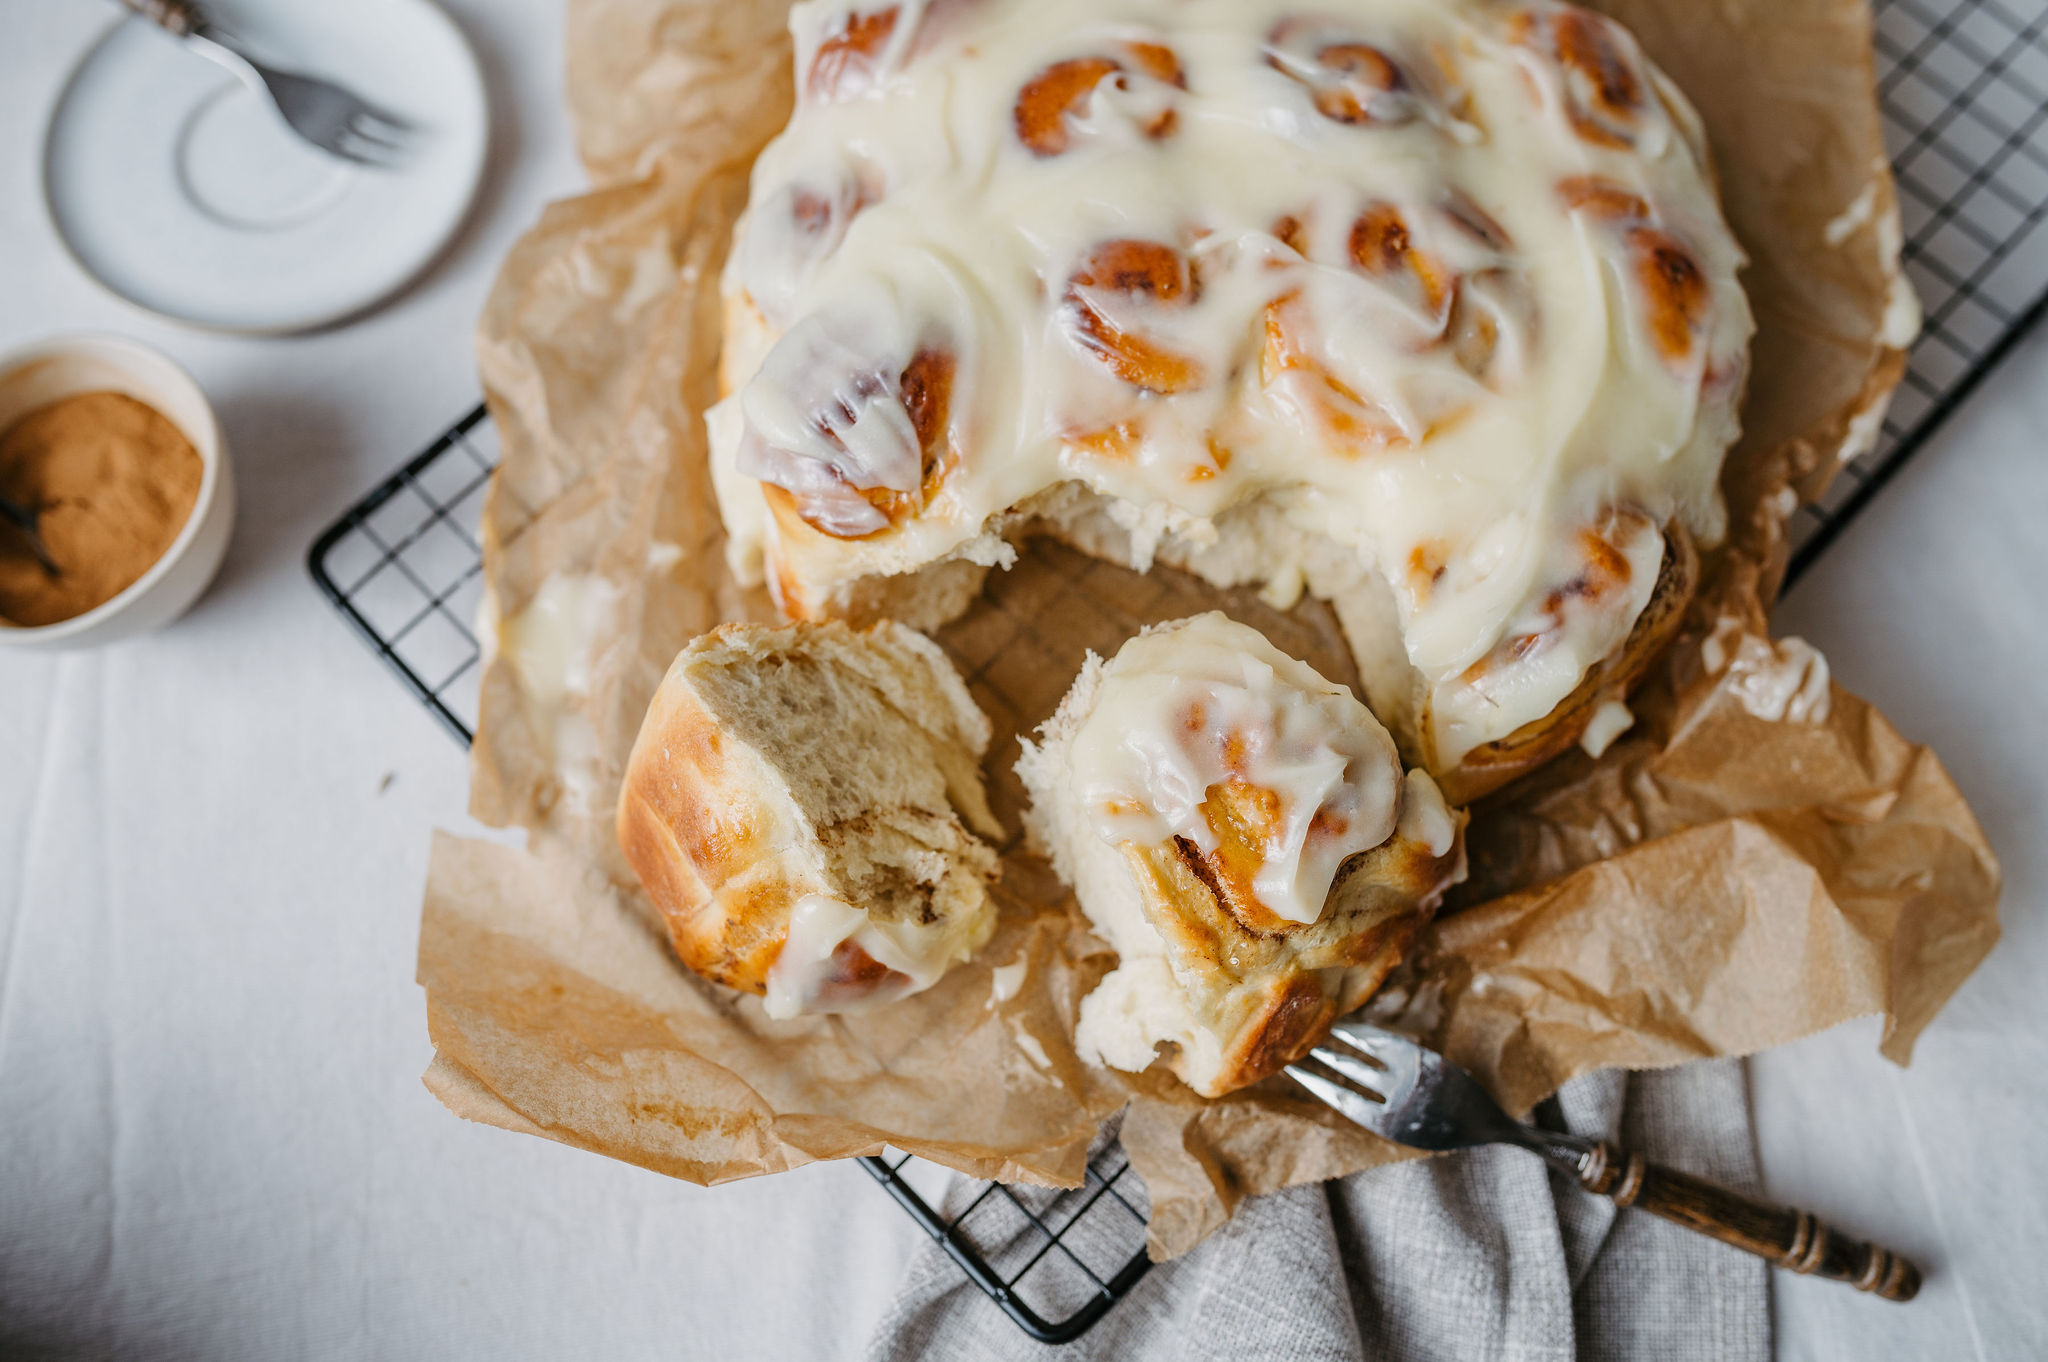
(1243,833)
(803,805)
(1427,306)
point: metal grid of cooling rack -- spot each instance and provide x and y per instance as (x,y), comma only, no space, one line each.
(1964,89)
(405,567)
(1964,86)
(1053,1260)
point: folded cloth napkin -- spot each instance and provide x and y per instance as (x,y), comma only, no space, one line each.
(1476,1255)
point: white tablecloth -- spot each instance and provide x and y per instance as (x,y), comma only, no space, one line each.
(213,1140)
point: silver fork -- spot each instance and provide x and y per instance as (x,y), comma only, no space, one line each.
(1407,1093)
(332,119)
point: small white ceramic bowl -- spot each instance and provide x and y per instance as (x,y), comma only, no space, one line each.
(57,369)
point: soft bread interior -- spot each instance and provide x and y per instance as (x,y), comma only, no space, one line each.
(1242,547)
(810,762)
(851,720)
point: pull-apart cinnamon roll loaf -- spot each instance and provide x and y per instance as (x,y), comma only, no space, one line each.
(1425,305)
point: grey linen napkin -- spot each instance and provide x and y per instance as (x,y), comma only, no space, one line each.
(1477,1255)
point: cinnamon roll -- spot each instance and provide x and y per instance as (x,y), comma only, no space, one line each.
(805,807)
(1243,833)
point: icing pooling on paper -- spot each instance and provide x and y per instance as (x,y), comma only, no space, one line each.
(1610,721)
(553,641)
(1782,680)
(553,645)
(1444,278)
(1209,703)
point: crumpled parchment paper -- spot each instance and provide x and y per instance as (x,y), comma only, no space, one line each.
(1762,856)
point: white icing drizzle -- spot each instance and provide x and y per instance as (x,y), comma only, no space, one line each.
(1854,218)
(1418,1013)
(1405,267)
(1714,654)
(1902,315)
(1609,721)
(553,640)
(1783,680)
(1033,1048)
(1207,702)
(1864,428)
(1004,981)
(810,974)
(1425,817)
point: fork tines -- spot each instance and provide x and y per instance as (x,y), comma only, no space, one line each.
(1365,1072)
(1361,1070)
(1342,1082)
(374,137)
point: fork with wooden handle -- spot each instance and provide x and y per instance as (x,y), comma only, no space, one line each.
(1407,1093)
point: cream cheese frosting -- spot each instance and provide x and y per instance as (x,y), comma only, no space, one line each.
(1210,703)
(810,973)
(1446,281)
(1203,746)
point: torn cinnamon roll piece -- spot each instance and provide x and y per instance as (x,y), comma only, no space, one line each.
(804,806)
(1242,832)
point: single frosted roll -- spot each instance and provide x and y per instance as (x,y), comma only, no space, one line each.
(1242,832)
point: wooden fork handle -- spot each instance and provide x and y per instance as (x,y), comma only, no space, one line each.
(1787,1237)
(179,16)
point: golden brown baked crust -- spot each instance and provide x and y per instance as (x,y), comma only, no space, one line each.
(1272,990)
(694,835)
(1492,765)
(778,764)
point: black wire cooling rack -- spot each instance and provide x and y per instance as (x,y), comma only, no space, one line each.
(1964,89)
(1964,86)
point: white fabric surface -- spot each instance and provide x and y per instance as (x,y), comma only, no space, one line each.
(213,1141)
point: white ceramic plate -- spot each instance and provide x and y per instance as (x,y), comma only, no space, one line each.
(182,191)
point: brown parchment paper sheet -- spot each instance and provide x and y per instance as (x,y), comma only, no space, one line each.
(1719,882)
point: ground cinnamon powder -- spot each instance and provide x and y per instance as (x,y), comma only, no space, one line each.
(114,481)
